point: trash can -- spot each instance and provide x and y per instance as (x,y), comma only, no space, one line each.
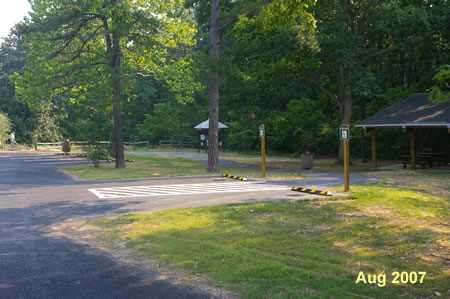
(66,146)
(306,160)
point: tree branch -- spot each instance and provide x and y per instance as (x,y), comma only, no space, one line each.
(78,53)
(69,37)
(107,36)
(81,67)
(316,79)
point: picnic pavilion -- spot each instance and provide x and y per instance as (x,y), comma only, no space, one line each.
(410,114)
(203,130)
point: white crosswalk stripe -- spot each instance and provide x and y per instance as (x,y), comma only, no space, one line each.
(185,189)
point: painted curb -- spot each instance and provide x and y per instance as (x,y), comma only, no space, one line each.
(312,191)
(240,178)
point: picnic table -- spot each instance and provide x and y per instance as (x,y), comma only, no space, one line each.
(425,158)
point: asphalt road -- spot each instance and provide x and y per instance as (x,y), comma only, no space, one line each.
(314,178)
(38,262)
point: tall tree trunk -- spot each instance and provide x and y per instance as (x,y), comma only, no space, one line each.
(120,156)
(213,90)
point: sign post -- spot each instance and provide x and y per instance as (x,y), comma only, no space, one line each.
(344,134)
(262,134)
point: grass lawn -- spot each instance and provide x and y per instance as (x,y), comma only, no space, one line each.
(165,166)
(307,248)
(144,166)
(161,166)
(278,161)
(289,162)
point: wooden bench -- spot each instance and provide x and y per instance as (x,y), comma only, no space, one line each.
(420,160)
(439,158)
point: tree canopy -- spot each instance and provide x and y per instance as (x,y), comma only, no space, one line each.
(94,50)
(140,69)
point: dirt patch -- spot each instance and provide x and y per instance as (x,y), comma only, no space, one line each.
(312,229)
(437,252)
(70,174)
(435,182)
(293,163)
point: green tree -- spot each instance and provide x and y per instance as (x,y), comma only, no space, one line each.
(161,124)
(46,128)
(354,49)
(95,48)
(13,59)
(5,126)
(215,18)
(213,89)
(442,79)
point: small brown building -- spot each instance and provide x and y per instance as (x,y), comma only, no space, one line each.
(410,114)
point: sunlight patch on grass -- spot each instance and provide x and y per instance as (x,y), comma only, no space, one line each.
(303,248)
(144,166)
(163,166)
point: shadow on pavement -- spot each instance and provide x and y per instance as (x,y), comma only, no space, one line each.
(37,263)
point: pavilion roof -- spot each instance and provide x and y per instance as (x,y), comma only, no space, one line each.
(412,112)
(205,125)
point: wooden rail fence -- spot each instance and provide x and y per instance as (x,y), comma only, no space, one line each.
(175,143)
(147,143)
(74,144)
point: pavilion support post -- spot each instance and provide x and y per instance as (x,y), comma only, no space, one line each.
(412,133)
(374,148)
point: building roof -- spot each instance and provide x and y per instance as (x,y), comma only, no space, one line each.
(413,111)
(205,125)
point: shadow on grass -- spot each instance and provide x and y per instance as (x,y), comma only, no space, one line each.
(287,249)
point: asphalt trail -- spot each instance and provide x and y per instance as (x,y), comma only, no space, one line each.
(36,261)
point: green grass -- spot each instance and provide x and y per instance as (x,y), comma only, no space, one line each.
(145,149)
(144,166)
(167,166)
(161,166)
(445,175)
(290,162)
(303,249)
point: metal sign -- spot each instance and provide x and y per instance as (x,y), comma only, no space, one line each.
(262,132)
(344,135)
(344,132)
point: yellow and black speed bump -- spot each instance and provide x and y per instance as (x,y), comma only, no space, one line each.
(63,154)
(240,178)
(312,191)
(130,160)
(83,155)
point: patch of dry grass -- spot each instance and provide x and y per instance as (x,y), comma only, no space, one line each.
(307,248)
(293,163)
